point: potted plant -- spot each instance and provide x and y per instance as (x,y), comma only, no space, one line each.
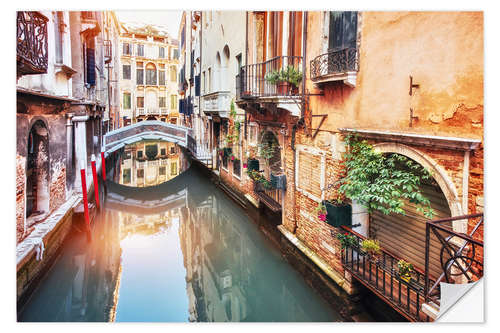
(347,240)
(286,80)
(320,211)
(338,212)
(372,248)
(405,268)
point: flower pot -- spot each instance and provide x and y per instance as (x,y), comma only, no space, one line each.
(405,278)
(283,88)
(338,215)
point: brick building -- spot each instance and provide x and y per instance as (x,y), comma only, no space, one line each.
(61,98)
(308,79)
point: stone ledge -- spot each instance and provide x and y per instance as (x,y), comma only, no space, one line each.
(27,246)
(327,269)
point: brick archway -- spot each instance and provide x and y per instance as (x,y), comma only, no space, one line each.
(439,174)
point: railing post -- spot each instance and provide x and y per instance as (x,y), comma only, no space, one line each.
(427,246)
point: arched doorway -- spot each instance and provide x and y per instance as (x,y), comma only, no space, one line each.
(273,164)
(37,171)
(405,234)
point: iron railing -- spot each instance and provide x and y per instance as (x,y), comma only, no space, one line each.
(32,43)
(271,197)
(334,62)
(461,255)
(254,79)
(381,275)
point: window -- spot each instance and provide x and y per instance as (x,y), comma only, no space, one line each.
(59,35)
(162,171)
(173,102)
(252,134)
(90,72)
(172,150)
(173,74)
(161,78)
(295,34)
(140,173)
(140,50)
(139,154)
(342,30)
(126,48)
(126,176)
(173,169)
(162,102)
(161,52)
(238,63)
(209,88)
(176,53)
(163,119)
(309,181)
(140,73)
(163,151)
(140,102)
(126,72)
(204,83)
(151,74)
(126,101)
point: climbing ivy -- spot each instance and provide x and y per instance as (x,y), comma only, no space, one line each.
(382,181)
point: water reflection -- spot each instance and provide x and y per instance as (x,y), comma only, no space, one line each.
(175,251)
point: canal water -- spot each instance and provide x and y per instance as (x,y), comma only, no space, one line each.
(169,246)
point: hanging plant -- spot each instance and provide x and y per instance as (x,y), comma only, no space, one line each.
(266,150)
(382,182)
(320,211)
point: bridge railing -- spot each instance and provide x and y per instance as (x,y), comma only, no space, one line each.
(149,129)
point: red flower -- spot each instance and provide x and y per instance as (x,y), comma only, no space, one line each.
(232,158)
(346,234)
(244,165)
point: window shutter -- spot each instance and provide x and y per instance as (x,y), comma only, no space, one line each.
(343,29)
(309,179)
(90,66)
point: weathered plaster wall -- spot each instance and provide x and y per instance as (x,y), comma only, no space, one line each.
(443,51)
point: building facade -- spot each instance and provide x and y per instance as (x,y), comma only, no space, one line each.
(61,99)
(148,75)
(306,82)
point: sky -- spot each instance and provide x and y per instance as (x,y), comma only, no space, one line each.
(169,18)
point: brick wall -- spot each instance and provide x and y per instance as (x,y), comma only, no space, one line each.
(20,196)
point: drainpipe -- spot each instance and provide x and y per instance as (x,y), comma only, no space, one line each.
(304,57)
(246,62)
(69,150)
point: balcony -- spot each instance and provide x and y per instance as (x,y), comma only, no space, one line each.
(32,44)
(217,103)
(256,81)
(417,297)
(151,112)
(271,197)
(338,65)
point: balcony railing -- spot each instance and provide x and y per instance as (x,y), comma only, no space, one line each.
(382,277)
(254,79)
(270,197)
(32,44)
(334,63)
(151,112)
(219,102)
(461,254)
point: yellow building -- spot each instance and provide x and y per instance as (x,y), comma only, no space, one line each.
(148,74)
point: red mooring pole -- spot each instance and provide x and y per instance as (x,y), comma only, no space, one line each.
(85,201)
(103,164)
(96,184)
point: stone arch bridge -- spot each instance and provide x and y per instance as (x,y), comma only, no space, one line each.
(149,130)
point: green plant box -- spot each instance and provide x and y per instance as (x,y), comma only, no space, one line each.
(338,215)
(253,165)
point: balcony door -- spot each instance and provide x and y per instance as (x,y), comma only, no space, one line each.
(151,100)
(342,30)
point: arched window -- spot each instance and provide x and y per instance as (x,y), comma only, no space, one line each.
(37,171)
(173,73)
(151,74)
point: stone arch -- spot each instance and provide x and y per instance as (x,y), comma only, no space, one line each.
(37,170)
(270,137)
(439,174)
(217,74)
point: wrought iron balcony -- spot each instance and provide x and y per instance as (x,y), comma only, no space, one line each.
(32,43)
(217,103)
(381,275)
(334,65)
(461,254)
(273,78)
